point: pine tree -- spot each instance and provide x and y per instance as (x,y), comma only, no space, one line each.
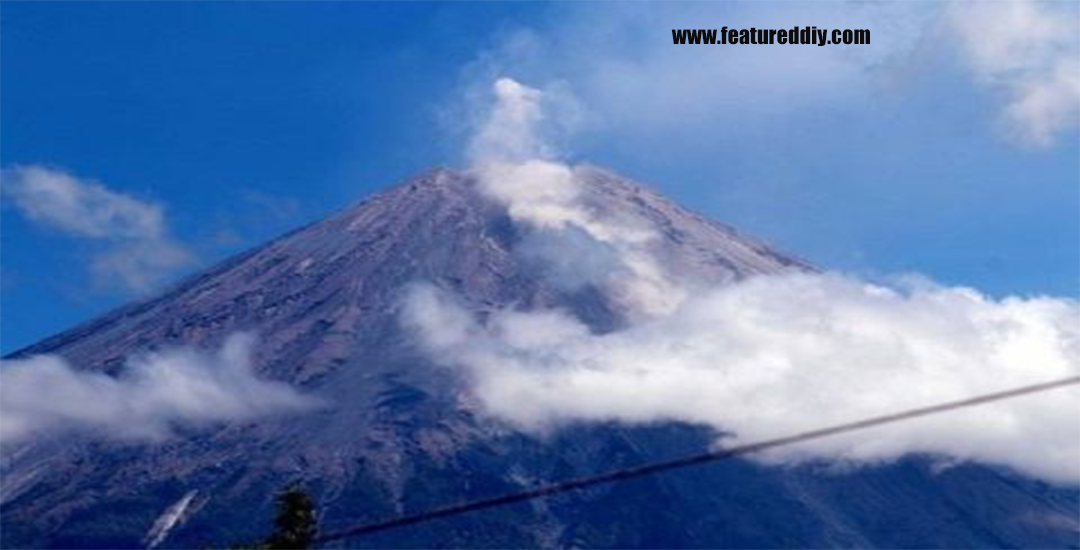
(295,524)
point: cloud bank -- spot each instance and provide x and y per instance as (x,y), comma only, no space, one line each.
(759,358)
(154,394)
(772,356)
(134,248)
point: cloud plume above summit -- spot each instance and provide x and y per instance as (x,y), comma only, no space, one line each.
(515,167)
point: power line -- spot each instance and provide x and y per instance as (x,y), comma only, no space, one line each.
(711,456)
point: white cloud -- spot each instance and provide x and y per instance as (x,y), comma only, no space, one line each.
(154,394)
(772,356)
(515,167)
(510,133)
(136,250)
(1031,52)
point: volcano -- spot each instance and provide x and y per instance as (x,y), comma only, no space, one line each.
(401,434)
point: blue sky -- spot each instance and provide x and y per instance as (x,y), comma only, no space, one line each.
(240,121)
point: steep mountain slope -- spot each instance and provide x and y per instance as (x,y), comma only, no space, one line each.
(401,434)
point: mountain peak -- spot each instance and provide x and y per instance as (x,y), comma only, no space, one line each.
(434,226)
(323,302)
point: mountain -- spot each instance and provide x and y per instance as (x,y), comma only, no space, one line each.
(402,434)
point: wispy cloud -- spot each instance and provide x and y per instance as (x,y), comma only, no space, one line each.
(1030,51)
(133,246)
(154,394)
(622,65)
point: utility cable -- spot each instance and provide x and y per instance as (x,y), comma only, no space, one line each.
(691,460)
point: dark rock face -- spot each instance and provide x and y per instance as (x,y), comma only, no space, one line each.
(403,435)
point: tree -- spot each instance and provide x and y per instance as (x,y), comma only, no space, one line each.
(295,525)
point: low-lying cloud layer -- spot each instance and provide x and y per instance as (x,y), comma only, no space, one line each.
(773,356)
(134,248)
(763,357)
(152,396)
